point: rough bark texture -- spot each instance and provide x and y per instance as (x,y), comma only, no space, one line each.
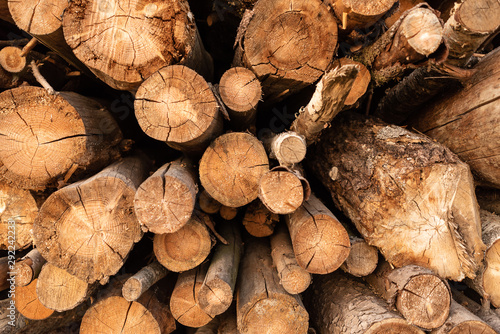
(28,304)
(258,220)
(407,195)
(281,191)
(463,321)
(135,286)
(28,268)
(359,14)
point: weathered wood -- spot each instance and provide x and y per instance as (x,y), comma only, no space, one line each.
(482,311)
(89,227)
(416,292)
(287,147)
(231,168)
(28,303)
(28,268)
(262,303)
(258,220)
(281,191)
(359,14)
(165,201)
(360,83)
(362,259)
(135,286)
(207,203)
(406,194)
(462,321)
(320,242)
(44,136)
(11,59)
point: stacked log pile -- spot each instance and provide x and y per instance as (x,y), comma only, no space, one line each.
(316,176)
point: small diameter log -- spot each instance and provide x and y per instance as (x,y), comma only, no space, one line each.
(486,283)
(463,321)
(216,293)
(359,14)
(406,194)
(149,37)
(489,199)
(186,248)
(262,305)
(286,49)
(135,286)
(11,59)
(28,268)
(88,228)
(184,302)
(28,304)
(258,220)
(338,304)
(281,191)
(60,291)
(362,259)
(18,210)
(176,105)
(228,213)
(207,203)
(231,168)
(45,136)
(360,84)
(165,202)
(416,292)
(287,147)
(240,91)
(320,242)
(293,278)
(482,311)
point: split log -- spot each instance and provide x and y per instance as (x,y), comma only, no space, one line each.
(281,190)
(463,321)
(467,121)
(482,311)
(262,303)
(341,305)
(28,268)
(293,277)
(258,220)
(359,14)
(216,293)
(136,285)
(207,203)
(488,199)
(299,45)
(149,37)
(406,194)
(231,168)
(187,247)
(359,85)
(165,202)
(362,259)
(11,59)
(176,105)
(320,242)
(89,227)
(416,292)
(45,137)
(28,303)
(228,213)
(287,147)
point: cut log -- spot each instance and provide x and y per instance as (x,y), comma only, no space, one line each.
(176,105)
(416,292)
(148,35)
(482,311)
(359,14)
(28,268)
(216,293)
(89,227)
(184,302)
(281,191)
(293,277)
(404,5)
(406,194)
(287,147)
(463,321)
(320,242)
(28,304)
(488,199)
(231,168)
(44,136)
(467,121)
(207,203)
(138,284)
(359,85)
(186,248)
(165,202)
(228,323)
(258,220)
(300,39)
(11,59)
(341,305)
(262,303)
(362,259)
(228,213)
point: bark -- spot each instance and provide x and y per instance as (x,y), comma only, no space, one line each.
(258,220)
(287,147)
(89,227)
(360,83)
(28,303)
(138,284)
(362,259)
(406,194)
(482,311)
(462,321)
(207,203)
(28,268)
(359,14)
(231,168)
(44,136)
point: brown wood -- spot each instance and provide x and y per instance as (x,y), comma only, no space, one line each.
(462,321)
(320,242)
(416,292)
(231,168)
(359,13)
(11,59)
(406,194)
(362,259)
(281,191)
(360,84)
(5,13)
(488,199)
(187,247)
(149,37)
(287,147)
(404,5)
(228,213)
(28,304)
(140,282)
(4,273)
(293,277)
(28,268)
(165,201)
(228,323)
(338,304)
(262,303)
(89,227)
(482,311)
(258,220)
(44,136)
(176,105)
(207,203)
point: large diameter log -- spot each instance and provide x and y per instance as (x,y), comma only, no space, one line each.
(148,36)
(28,303)
(136,285)
(176,105)
(359,14)
(406,194)
(281,191)
(89,227)
(262,303)
(463,321)
(338,304)
(29,267)
(44,136)
(418,294)
(467,121)
(320,242)
(231,168)
(258,220)
(287,49)
(165,201)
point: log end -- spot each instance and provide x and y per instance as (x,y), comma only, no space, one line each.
(362,259)
(423,30)
(11,59)
(240,89)
(28,304)
(281,191)
(295,280)
(132,289)
(215,297)
(393,325)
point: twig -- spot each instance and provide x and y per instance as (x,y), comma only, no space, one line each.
(28,47)
(41,80)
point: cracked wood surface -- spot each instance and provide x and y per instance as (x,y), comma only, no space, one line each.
(359,13)
(28,268)
(258,220)
(281,191)
(28,304)
(462,321)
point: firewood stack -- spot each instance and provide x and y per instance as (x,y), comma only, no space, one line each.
(269,166)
